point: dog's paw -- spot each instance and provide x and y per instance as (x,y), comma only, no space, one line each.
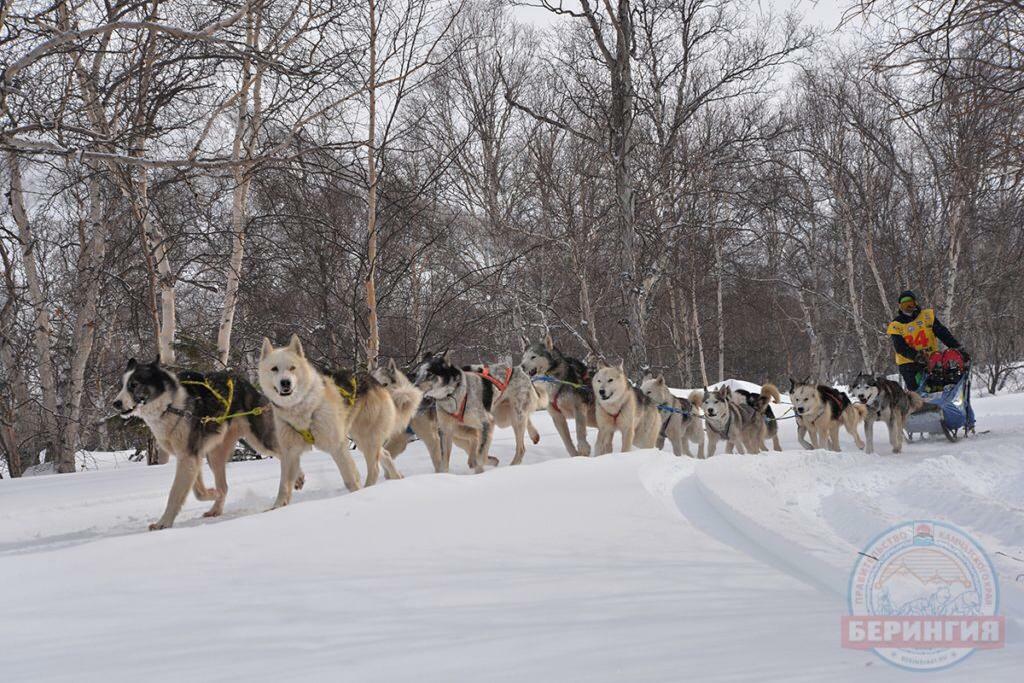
(535,438)
(212,513)
(583,451)
(156,526)
(300,482)
(492,461)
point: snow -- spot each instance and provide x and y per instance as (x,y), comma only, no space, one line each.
(638,566)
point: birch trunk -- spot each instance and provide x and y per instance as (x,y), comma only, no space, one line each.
(851,287)
(696,329)
(246,128)
(720,308)
(43,334)
(869,253)
(89,276)
(373,332)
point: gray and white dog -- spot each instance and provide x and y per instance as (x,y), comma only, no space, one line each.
(515,399)
(759,402)
(570,393)
(194,416)
(680,421)
(741,426)
(886,402)
(463,401)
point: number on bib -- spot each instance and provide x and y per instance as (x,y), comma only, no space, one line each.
(918,342)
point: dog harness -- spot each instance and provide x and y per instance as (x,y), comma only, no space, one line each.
(499,384)
(226,402)
(724,434)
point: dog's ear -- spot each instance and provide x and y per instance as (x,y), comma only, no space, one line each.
(792,385)
(549,343)
(447,356)
(132,363)
(661,379)
(622,366)
(266,349)
(525,340)
(391,366)
(295,346)
(156,361)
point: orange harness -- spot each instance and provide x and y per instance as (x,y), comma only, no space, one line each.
(501,386)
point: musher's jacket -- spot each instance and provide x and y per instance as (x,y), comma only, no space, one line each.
(921,331)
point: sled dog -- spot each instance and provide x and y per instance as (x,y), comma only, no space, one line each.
(463,401)
(515,399)
(194,416)
(887,402)
(820,411)
(569,391)
(621,407)
(760,402)
(740,425)
(680,421)
(422,421)
(313,408)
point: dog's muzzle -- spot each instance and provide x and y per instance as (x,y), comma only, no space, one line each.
(801,410)
(125,413)
(284,387)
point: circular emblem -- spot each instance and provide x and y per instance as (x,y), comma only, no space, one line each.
(923,595)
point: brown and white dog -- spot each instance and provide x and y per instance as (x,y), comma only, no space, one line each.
(621,407)
(820,411)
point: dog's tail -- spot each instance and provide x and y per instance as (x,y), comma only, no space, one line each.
(771,392)
(407,401)
(916,402)
(696,397)
(860,411)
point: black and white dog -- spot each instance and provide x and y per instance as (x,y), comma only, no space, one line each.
(463,401)
(194,416)
(886,402)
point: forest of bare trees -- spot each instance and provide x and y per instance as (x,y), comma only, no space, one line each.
(696,186)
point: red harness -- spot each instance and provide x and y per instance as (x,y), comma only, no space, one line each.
(501,386)
(554,403)
(615,417)
(460,416)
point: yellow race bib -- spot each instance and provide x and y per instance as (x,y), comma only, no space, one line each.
(917,333)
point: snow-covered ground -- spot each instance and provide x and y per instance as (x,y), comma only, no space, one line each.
(634,567)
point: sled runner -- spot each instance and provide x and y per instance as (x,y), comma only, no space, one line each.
(946,390)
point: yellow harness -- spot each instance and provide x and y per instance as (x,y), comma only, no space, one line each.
(226,402)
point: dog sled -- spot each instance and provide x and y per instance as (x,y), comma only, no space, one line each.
(946,391)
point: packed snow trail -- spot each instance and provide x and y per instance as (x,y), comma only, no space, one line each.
(640,566)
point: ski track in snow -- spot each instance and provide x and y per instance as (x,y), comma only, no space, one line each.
(641,566)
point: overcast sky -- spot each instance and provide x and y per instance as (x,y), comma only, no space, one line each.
(821,12)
